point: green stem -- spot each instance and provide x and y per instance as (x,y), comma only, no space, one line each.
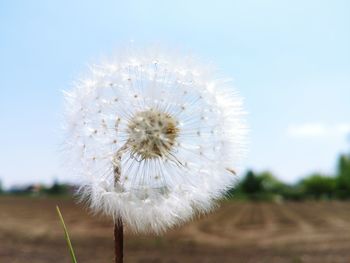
(66,235)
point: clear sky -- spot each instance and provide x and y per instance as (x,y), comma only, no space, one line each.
(289,59)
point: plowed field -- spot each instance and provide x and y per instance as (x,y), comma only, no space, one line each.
(237,232)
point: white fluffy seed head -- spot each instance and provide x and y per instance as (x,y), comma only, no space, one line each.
(169,128)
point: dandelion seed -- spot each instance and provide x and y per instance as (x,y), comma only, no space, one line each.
(172,138)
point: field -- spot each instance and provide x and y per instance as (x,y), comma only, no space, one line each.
(237,232)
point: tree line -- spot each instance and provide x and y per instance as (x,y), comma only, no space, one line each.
(265,186)
(56,188)
(253,186)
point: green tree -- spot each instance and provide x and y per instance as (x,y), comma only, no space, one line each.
(343,177)
(270,184)
(275,189)
(57,189)
(251,185)
(318,186)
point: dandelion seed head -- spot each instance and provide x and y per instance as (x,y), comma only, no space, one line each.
(168,125)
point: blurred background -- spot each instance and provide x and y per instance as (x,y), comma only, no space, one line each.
(290,60)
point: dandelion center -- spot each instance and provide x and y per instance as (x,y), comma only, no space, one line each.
(152,134)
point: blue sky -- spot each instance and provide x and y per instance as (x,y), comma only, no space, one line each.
(289,59)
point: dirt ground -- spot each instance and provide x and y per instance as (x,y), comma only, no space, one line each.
(237,232)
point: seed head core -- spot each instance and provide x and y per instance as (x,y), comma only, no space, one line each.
(152,133)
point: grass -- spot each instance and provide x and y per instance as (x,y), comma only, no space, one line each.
(66,235)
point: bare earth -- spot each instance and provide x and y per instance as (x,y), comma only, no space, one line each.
(237,232)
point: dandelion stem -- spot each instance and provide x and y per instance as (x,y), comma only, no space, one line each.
(118,241)
(118,225)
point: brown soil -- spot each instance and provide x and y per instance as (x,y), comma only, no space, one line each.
(313,232)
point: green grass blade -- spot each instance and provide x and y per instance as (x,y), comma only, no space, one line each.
(66,235)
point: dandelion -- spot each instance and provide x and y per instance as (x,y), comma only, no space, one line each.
(157,138)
